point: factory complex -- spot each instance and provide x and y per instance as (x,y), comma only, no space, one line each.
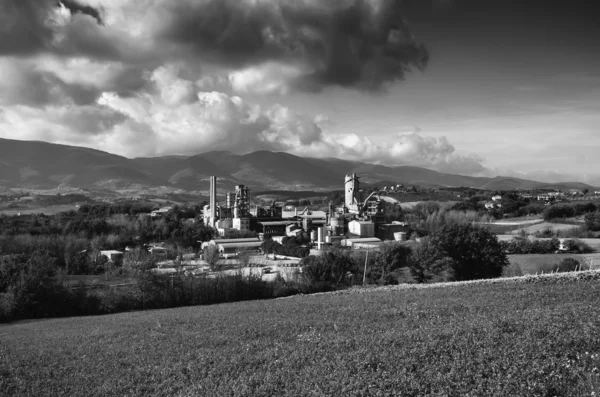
(358,223)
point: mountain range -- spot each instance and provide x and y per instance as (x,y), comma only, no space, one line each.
(43,165)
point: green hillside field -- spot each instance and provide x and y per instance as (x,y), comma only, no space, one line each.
(534,336)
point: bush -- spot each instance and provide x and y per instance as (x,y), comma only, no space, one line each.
(568,265)
(578,246)
(333,269)
(523,245)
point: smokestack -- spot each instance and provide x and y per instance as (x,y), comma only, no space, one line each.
(213,200)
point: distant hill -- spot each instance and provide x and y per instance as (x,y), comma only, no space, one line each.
(33,164)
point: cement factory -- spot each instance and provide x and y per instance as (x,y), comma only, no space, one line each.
(359,223)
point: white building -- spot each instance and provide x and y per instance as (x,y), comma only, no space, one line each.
(362,228)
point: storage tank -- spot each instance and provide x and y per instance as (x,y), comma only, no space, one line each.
(400,236)
(313,236)
(321,234)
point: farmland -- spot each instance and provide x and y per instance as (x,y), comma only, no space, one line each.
(496,339)
(544,263)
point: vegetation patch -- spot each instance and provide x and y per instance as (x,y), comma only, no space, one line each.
(486,339)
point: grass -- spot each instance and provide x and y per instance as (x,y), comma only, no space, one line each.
(538,263)
(97,279)
(497,339)
(540,227)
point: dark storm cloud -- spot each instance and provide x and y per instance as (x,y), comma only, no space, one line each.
(25,29)
(22,26)
(75,8)
(341,42)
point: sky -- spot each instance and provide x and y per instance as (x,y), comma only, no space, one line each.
(473,87)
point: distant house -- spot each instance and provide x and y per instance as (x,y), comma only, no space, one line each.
(160,212)
(113,256)
(496,198)
(158,252)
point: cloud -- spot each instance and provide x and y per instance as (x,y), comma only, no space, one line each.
(172,115)
(75,8)
(211,121)
(404,149)
(217,121)
(154,77)
(353,43)
(266,78)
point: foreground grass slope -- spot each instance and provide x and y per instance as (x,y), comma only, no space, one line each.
(502,339)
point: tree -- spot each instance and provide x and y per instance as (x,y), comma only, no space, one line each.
(391,256)
(558,211)
(475,252)
(592,221)
(427,260)
(211,256)
(244,258)
(138,260)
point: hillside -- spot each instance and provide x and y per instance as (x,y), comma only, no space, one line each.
(42,165)
(490,339)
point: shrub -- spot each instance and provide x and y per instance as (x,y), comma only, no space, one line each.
(568,265)
(524,245)
(578,246)
(328,271)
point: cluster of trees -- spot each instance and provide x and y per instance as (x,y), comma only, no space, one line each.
(568,210)
(75,238)
(592,221)
(523,245)
(454,252)
(31,288)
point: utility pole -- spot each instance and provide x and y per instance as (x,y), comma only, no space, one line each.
(365,272)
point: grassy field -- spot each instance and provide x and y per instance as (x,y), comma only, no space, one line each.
(47,210)
(538,263)
(540,227)
(499,339)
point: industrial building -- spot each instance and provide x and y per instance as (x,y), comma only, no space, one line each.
(362,228)
(358,222)
(235,214)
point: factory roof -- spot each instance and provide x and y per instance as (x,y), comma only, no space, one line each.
(276,223)
(360,240)
(240,245)
(111,252)
(235,240)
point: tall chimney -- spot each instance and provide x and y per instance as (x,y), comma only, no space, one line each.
(213,200)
